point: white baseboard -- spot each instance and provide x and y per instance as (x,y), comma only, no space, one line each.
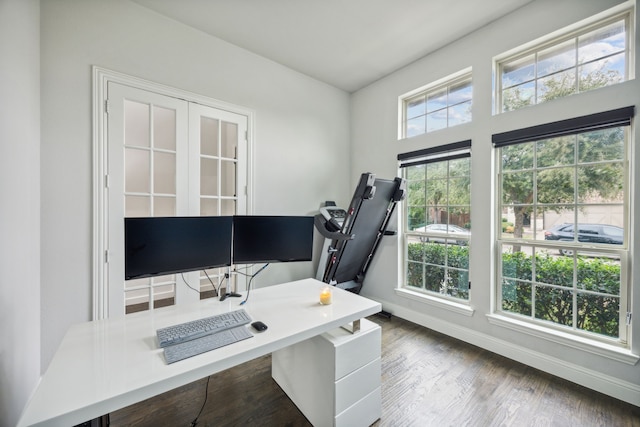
(611,386)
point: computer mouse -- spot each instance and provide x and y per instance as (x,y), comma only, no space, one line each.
(259,326)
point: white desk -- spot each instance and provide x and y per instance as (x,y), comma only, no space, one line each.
(106,365)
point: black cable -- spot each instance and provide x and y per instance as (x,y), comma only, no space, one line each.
(187,283)
(206,396)
(226,275)
(250,280)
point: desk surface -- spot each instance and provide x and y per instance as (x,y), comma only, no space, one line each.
(105,365)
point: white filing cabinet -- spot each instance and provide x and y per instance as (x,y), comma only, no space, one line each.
(334,378)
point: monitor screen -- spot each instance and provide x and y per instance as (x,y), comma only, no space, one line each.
(166,245)
(259,239)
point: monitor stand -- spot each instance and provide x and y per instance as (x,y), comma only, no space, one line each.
(224,294)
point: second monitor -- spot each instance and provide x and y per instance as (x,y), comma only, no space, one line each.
(264,239)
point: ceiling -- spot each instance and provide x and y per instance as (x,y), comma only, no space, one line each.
(345,43)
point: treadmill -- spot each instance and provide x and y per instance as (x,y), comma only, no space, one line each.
(352,236)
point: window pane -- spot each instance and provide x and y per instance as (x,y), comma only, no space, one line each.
(555,151)
(519,96)
(554,305)
(602,73)
(601,145)
(416,107)
(517,187)
(437,120)
(602,182)
(557,58)
(556,86)
(437,100)
(416,126)
(516,297)
(519,71)
(460,93)
(460,113)
(556,185)
(517,157)
(602,42)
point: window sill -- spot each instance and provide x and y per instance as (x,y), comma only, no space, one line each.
(445,304)
(598,348)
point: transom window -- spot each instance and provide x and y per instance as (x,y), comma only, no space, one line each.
(563,205)
(593,57)
(437,106)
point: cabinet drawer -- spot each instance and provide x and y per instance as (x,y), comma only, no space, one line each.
(351,388)
(363,413)
(352,351)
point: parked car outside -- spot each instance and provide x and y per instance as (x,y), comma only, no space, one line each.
(591,233)
(451,233)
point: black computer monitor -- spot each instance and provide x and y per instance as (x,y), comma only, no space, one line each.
(167,245)
(258,239)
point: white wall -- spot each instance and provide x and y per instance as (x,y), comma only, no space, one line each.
(19,205)
(301,132)
(374,147)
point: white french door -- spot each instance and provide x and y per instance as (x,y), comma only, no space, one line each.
(166,156)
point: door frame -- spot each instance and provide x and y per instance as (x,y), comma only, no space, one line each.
(100,80)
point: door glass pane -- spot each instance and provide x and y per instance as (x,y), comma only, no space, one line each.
(164,128)
(229,139)
(164,173)
(136,124)
(208,207)
(137,206)
(137,169)
(209,136)
(164,206)
(227,207)
(208,177)
(228,178)
(164,295)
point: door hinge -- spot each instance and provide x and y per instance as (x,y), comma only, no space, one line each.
(628,318)
(106,106)
(469,284)
(246,136)
(106,257)
(106,181)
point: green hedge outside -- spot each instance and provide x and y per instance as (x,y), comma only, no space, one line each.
(597,295)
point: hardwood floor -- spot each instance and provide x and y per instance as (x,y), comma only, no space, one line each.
(428,379)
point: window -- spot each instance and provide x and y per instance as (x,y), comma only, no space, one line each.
(564,205)
(590,58)
(437,218)
(438,106)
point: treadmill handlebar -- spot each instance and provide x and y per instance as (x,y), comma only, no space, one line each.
(325,228)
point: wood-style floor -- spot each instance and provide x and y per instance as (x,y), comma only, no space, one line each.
(428,379)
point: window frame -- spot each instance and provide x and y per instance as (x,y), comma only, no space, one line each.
(531,324)
(445,83)
(445,153)
(556,40)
